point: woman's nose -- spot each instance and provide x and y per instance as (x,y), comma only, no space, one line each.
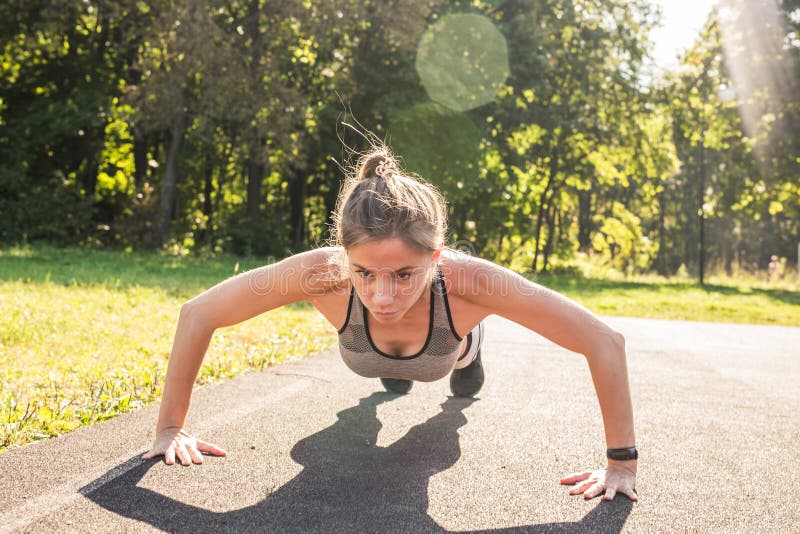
(382,298)
(383,293)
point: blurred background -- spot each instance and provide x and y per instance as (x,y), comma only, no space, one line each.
(641,136)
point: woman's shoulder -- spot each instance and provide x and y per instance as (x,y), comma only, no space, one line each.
(319,257)
(319,270)
(482,280)
(465,274)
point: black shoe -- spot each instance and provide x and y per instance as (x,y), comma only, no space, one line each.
(397,385)
(468,381)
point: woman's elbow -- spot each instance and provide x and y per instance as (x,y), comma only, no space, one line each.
(191,314)
(618,340)
(607,343)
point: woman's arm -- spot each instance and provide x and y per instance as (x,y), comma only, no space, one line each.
(230,302)
(565,322)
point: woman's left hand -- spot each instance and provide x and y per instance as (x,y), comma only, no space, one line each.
(616,478)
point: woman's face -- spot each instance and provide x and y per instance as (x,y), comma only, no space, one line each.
(390,276)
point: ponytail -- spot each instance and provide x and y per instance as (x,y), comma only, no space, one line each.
(380,201)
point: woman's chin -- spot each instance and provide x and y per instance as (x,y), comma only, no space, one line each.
(387,317)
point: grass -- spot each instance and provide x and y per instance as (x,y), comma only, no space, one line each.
(85,335)
(722,299)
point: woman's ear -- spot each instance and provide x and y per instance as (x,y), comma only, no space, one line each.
(436,254)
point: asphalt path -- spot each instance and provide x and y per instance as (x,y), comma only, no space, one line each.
(315,448)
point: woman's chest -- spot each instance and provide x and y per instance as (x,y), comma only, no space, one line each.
(409,336)
(403,339)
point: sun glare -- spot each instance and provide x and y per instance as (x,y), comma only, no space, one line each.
(756,54)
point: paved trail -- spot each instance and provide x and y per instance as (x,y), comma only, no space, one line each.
(313,447)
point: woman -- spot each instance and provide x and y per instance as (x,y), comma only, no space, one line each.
(406,309)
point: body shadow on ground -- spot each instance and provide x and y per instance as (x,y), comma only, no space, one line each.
(347,484)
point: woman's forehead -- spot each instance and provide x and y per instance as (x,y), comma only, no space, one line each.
(393,254)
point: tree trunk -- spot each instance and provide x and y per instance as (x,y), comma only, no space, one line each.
(585,220)
(545,217)
(169,186)
(557,228)
(550,236)
(255,175)
(729,245)
(543,205)
(298,185)
(544,201)
(222,177)
(256,161)
(95,133)
(661,260)
(330,197)
(686,223)
(701,193)
(500,239)
(140,164)
(203,235)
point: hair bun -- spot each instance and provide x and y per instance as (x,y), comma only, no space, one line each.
(377,164)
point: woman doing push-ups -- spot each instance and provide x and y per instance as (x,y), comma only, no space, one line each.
(407,309)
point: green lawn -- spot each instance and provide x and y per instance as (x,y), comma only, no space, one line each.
(721,300)
(85,335)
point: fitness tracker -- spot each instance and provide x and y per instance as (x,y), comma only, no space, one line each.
(622,454)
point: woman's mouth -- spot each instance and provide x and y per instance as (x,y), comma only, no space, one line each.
(384,315)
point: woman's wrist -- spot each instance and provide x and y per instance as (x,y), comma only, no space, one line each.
(623,457)
(163,428)
(630,465)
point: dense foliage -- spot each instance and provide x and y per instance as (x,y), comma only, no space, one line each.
(221,125)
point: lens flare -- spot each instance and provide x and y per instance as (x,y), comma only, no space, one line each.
(440,144)
(462,61)
(758,59)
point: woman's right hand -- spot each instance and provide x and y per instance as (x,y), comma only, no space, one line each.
(175,441)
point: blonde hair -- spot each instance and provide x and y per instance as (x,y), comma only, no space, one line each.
(378,200)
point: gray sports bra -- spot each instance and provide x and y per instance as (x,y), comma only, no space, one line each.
(434,361)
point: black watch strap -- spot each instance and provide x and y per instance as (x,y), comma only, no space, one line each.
(622,454)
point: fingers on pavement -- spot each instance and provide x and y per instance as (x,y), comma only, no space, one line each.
(183,454)
(595,490)
(194,454)
(576,477)
(580,488)
(210,448)
(169,455)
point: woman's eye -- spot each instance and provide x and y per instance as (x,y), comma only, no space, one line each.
(368,274)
